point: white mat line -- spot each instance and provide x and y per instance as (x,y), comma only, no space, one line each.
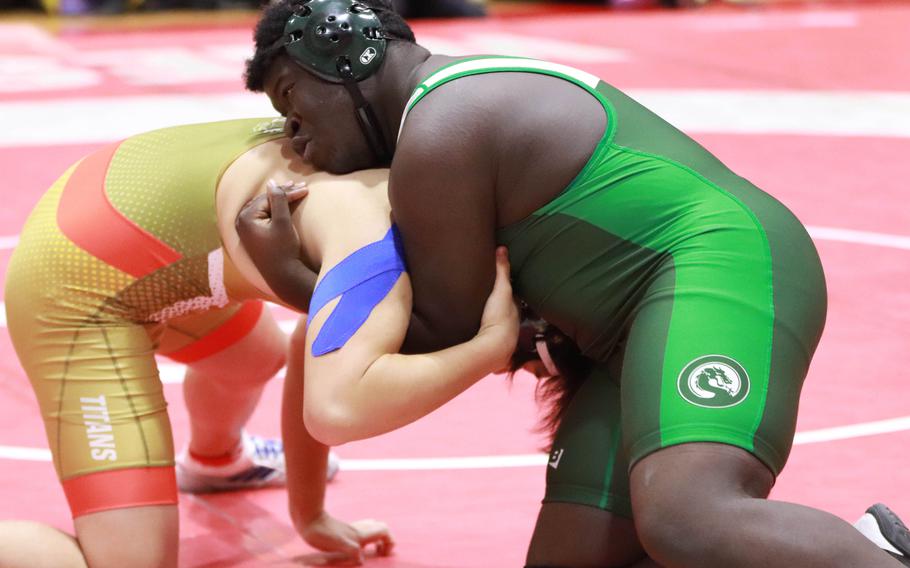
(427,464)
(25,454)
(859,237)
(9,242)
(522,460)
(853,431)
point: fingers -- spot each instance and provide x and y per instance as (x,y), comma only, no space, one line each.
(277,197)
(382,540)
(375,532)
(278,203)
(503,268)
(281,197)
(253,211)
(295,195)
(338,549)
(352,555)
(295,191)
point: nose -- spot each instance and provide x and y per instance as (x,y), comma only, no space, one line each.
(291,126)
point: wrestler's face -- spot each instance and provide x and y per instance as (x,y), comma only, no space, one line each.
(320,118)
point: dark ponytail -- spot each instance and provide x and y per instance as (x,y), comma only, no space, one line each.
(553,393)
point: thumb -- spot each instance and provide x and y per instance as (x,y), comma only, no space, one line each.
(295,191)
(278,204)
(503,268)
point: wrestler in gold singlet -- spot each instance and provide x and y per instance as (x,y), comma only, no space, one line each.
(122,259)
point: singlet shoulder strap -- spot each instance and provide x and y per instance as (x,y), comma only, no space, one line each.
(499,64)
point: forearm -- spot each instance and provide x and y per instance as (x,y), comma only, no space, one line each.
(305,457)
(291,281)
(399,389)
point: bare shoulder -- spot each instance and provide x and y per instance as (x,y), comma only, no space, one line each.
(454,115)
(446,142)
(370,180)
(245,178)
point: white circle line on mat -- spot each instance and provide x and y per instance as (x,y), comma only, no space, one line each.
(523,460)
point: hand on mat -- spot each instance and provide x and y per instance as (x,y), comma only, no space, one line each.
(344,544)
(500,314)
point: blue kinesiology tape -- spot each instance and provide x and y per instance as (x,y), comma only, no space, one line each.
(362,280)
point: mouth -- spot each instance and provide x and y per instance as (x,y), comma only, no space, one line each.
(299,144)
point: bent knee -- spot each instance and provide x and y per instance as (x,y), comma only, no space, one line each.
(233,372)
(251,362)
(671,534)
(685,499)
(298,336)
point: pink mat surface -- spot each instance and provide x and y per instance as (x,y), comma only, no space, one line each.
(484,517)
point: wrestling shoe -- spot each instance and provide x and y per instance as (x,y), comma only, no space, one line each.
(258,463)
(887,531)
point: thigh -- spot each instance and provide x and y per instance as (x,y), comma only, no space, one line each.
(28,544)
(569,535)
(585,519)
(711,359)
(588,465)
(243,337)
(104,412)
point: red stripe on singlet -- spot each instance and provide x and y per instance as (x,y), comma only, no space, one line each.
(230,332)
(91,222)
(121,488)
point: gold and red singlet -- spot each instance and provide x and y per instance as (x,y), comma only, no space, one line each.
(122,250)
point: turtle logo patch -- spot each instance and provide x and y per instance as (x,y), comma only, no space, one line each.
(714,381)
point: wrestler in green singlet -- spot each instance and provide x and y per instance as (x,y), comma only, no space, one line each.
(712,288)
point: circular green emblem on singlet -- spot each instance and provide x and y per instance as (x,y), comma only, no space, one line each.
(714,381)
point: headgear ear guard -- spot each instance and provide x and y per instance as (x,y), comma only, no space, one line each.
(341,41)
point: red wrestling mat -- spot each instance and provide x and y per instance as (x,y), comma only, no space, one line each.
(838,160)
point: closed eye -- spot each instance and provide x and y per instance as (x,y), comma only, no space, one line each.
(285,99)
(286,92)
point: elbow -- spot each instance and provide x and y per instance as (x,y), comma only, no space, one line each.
(332,425)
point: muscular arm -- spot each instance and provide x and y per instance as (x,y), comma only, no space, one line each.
(442,192)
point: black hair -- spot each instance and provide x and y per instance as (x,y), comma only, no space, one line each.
(552,393)
(271,24)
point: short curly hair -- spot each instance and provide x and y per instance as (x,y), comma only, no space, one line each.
(270,28)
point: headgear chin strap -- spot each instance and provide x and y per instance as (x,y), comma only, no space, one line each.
(341,41)
(369,124)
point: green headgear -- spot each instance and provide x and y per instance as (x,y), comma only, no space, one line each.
(337,40)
